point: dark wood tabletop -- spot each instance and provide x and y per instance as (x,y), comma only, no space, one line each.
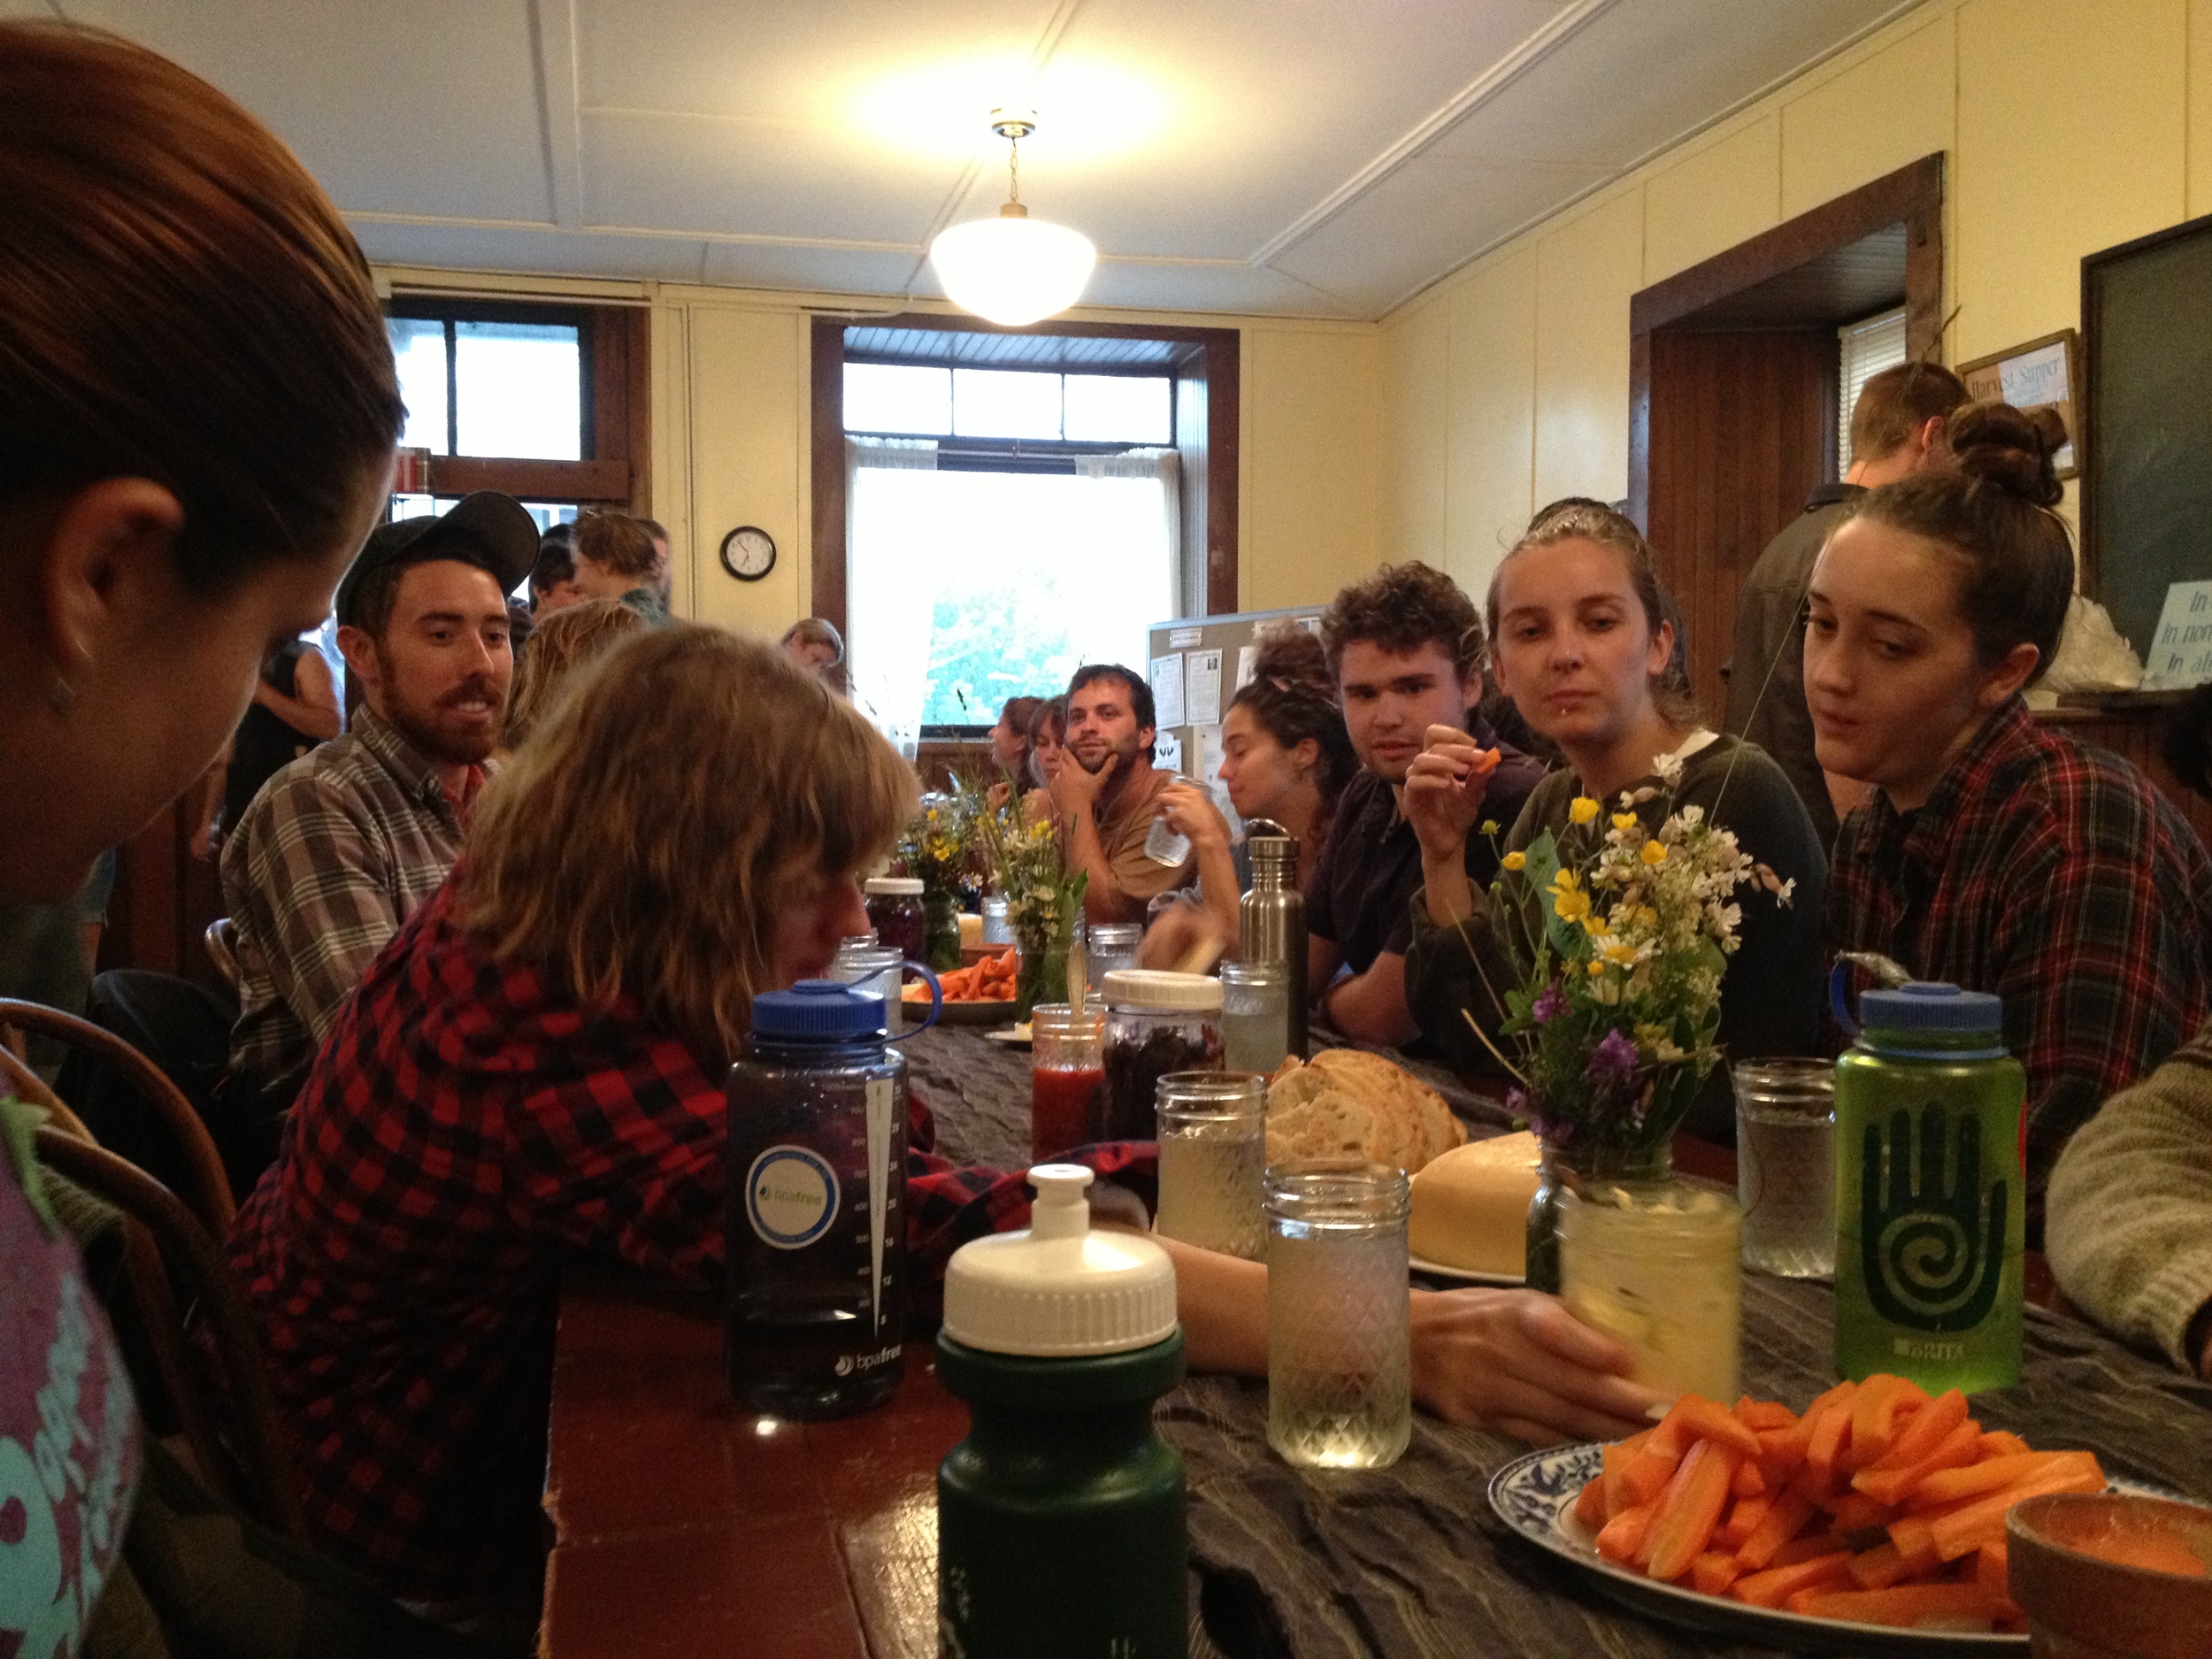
(685,1525)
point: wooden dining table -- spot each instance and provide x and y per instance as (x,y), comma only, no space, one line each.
(685,1525)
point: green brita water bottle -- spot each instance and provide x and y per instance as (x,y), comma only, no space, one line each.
(1060,1518)
(1930,1195)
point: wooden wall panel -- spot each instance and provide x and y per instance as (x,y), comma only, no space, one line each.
(1741,429)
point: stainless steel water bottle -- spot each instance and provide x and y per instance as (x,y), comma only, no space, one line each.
(1271,918)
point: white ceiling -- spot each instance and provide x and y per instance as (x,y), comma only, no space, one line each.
(1309,157)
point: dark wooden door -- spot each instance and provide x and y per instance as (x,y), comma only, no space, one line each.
(1743,426)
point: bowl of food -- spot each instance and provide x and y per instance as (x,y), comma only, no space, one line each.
(2105,1574)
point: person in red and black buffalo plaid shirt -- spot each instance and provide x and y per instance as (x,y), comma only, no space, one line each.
(1997,854)
(535,1066)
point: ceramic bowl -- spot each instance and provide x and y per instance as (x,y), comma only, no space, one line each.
(2108,1574)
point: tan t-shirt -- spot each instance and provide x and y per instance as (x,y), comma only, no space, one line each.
(1121,833)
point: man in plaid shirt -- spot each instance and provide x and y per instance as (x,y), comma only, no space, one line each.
(2053,875)
(341,845)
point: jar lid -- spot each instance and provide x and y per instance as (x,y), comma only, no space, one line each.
(902,887)
(1265,840)
(1255,973)
(818,1010)
(1113,934)
(1155,988)
(1059,1289)
(1931,1006)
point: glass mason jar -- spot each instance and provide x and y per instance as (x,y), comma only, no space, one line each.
(863,964)
(1067,1078)
(1213,1160)
(1658,1264)
(942,911)
(1155,1023)
(1339,1380)
(996,929)
(1786,1166)
(1110,947)
(1565,1166)
(894,910)
(1254,1017)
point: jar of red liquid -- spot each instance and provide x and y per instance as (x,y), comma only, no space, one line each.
(1067,1077)
(894,906)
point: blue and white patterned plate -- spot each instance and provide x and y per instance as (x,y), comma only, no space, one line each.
(1535,1495)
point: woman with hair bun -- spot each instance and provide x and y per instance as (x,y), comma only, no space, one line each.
(1995,853)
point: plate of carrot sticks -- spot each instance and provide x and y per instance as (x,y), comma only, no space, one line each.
(1874,1519)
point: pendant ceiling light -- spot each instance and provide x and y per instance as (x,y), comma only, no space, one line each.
(1013,269)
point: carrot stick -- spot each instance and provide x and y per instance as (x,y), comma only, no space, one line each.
(1805,1546)
(1855,1512)
(1928,1429)
(1590,1506)
(1885,1565)
(1982,1521)
(1894,1485)
(1615,1458)
(1776,1585)
(1624,1534)
(1999,1443)
(1789,1512)
(1827,1443)
(1646,1474)
(1711,1574)
(1903,1606)
(1992,1569)
(1765,1414)
(1681,1530)
(1702,1417)
(1744,1519)
(1749,1482)
(1946,1485)
(1874,1415)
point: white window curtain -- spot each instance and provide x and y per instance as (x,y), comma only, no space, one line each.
(1865,349)
(1158,466)
(965,588)
(880,601)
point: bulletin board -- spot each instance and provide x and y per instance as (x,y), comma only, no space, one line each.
(1196,665)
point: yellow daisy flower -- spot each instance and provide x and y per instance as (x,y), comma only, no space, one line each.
(1581,809)
(1653,853)
(1513,861)
(1623,820)
(1597,966)
(1620,955)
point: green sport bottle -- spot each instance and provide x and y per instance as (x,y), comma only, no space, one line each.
(1060,1518)
(1930,1190)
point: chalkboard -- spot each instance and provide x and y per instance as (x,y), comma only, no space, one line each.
(2146,472)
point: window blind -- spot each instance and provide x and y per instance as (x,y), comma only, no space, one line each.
(1868,347)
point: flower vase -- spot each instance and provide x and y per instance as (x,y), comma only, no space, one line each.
(1041,975)
(1563,1166)
(940,912)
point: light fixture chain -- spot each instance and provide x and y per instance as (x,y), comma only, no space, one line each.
(1014,169)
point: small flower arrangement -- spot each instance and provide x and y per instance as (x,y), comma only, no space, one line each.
(1626,933)
(934,846)
(1043,897)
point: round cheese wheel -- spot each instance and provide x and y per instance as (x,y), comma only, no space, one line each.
(1470,1206)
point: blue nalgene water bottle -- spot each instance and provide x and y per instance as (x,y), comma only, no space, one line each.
(816,1221)
(1930,1195)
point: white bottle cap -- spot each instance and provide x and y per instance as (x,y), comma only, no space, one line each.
(899,886)
(1156,989)
(1059,1289)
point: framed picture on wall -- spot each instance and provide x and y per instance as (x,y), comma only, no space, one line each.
(2044,371)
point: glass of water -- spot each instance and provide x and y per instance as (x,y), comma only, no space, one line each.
(1254,1017)
(1786,1166)
(1339,1380)
(1164,843)
(1213,1160)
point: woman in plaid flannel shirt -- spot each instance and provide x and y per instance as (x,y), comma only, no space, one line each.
(1996,853)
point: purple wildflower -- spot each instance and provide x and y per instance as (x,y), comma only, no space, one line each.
(1612,1063)
(1549,1006)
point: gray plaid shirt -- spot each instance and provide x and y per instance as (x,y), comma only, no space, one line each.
(337,850)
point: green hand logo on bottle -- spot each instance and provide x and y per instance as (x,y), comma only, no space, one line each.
(1932,1237)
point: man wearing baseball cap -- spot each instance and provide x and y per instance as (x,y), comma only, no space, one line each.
(341,845)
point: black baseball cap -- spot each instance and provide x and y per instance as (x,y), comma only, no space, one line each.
(488,530)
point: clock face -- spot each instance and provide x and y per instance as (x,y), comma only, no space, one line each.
(749,553)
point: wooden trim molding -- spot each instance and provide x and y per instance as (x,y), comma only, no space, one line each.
(827,372)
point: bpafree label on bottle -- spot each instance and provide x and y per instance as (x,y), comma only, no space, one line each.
(790,1197)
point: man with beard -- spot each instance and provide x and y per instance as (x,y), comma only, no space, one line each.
(341,845)
(1106,801)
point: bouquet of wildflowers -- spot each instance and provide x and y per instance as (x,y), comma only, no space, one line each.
(933,847)
(1626,933)
(1043,896)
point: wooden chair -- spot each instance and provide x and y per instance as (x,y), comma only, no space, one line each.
(208,1195)
(172,1265)
(222,949)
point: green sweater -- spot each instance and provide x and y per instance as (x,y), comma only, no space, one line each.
(2128,1217)
(1772,996)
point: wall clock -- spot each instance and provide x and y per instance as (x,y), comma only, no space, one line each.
(749,553)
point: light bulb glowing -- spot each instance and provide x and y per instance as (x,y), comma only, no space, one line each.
(1013,269)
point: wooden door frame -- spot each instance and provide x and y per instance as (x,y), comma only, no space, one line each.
(1912,196)
(1222,353)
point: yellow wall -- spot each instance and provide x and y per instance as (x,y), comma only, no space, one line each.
(732,425)
(2068,128)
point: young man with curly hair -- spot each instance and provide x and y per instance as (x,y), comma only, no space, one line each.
(1406,646)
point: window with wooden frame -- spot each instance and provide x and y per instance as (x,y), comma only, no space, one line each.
(544,401)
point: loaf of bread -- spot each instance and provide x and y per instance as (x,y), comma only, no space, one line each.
(1470,1206)
(1344,1104)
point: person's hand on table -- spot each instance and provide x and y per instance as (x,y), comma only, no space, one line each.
(1191,809)
(1444,790)
(1516,1361)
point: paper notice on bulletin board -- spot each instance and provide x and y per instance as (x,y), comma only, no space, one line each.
(1201,688)
(1167,752)
(1167,690)
(2181,650)
(1247,665)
